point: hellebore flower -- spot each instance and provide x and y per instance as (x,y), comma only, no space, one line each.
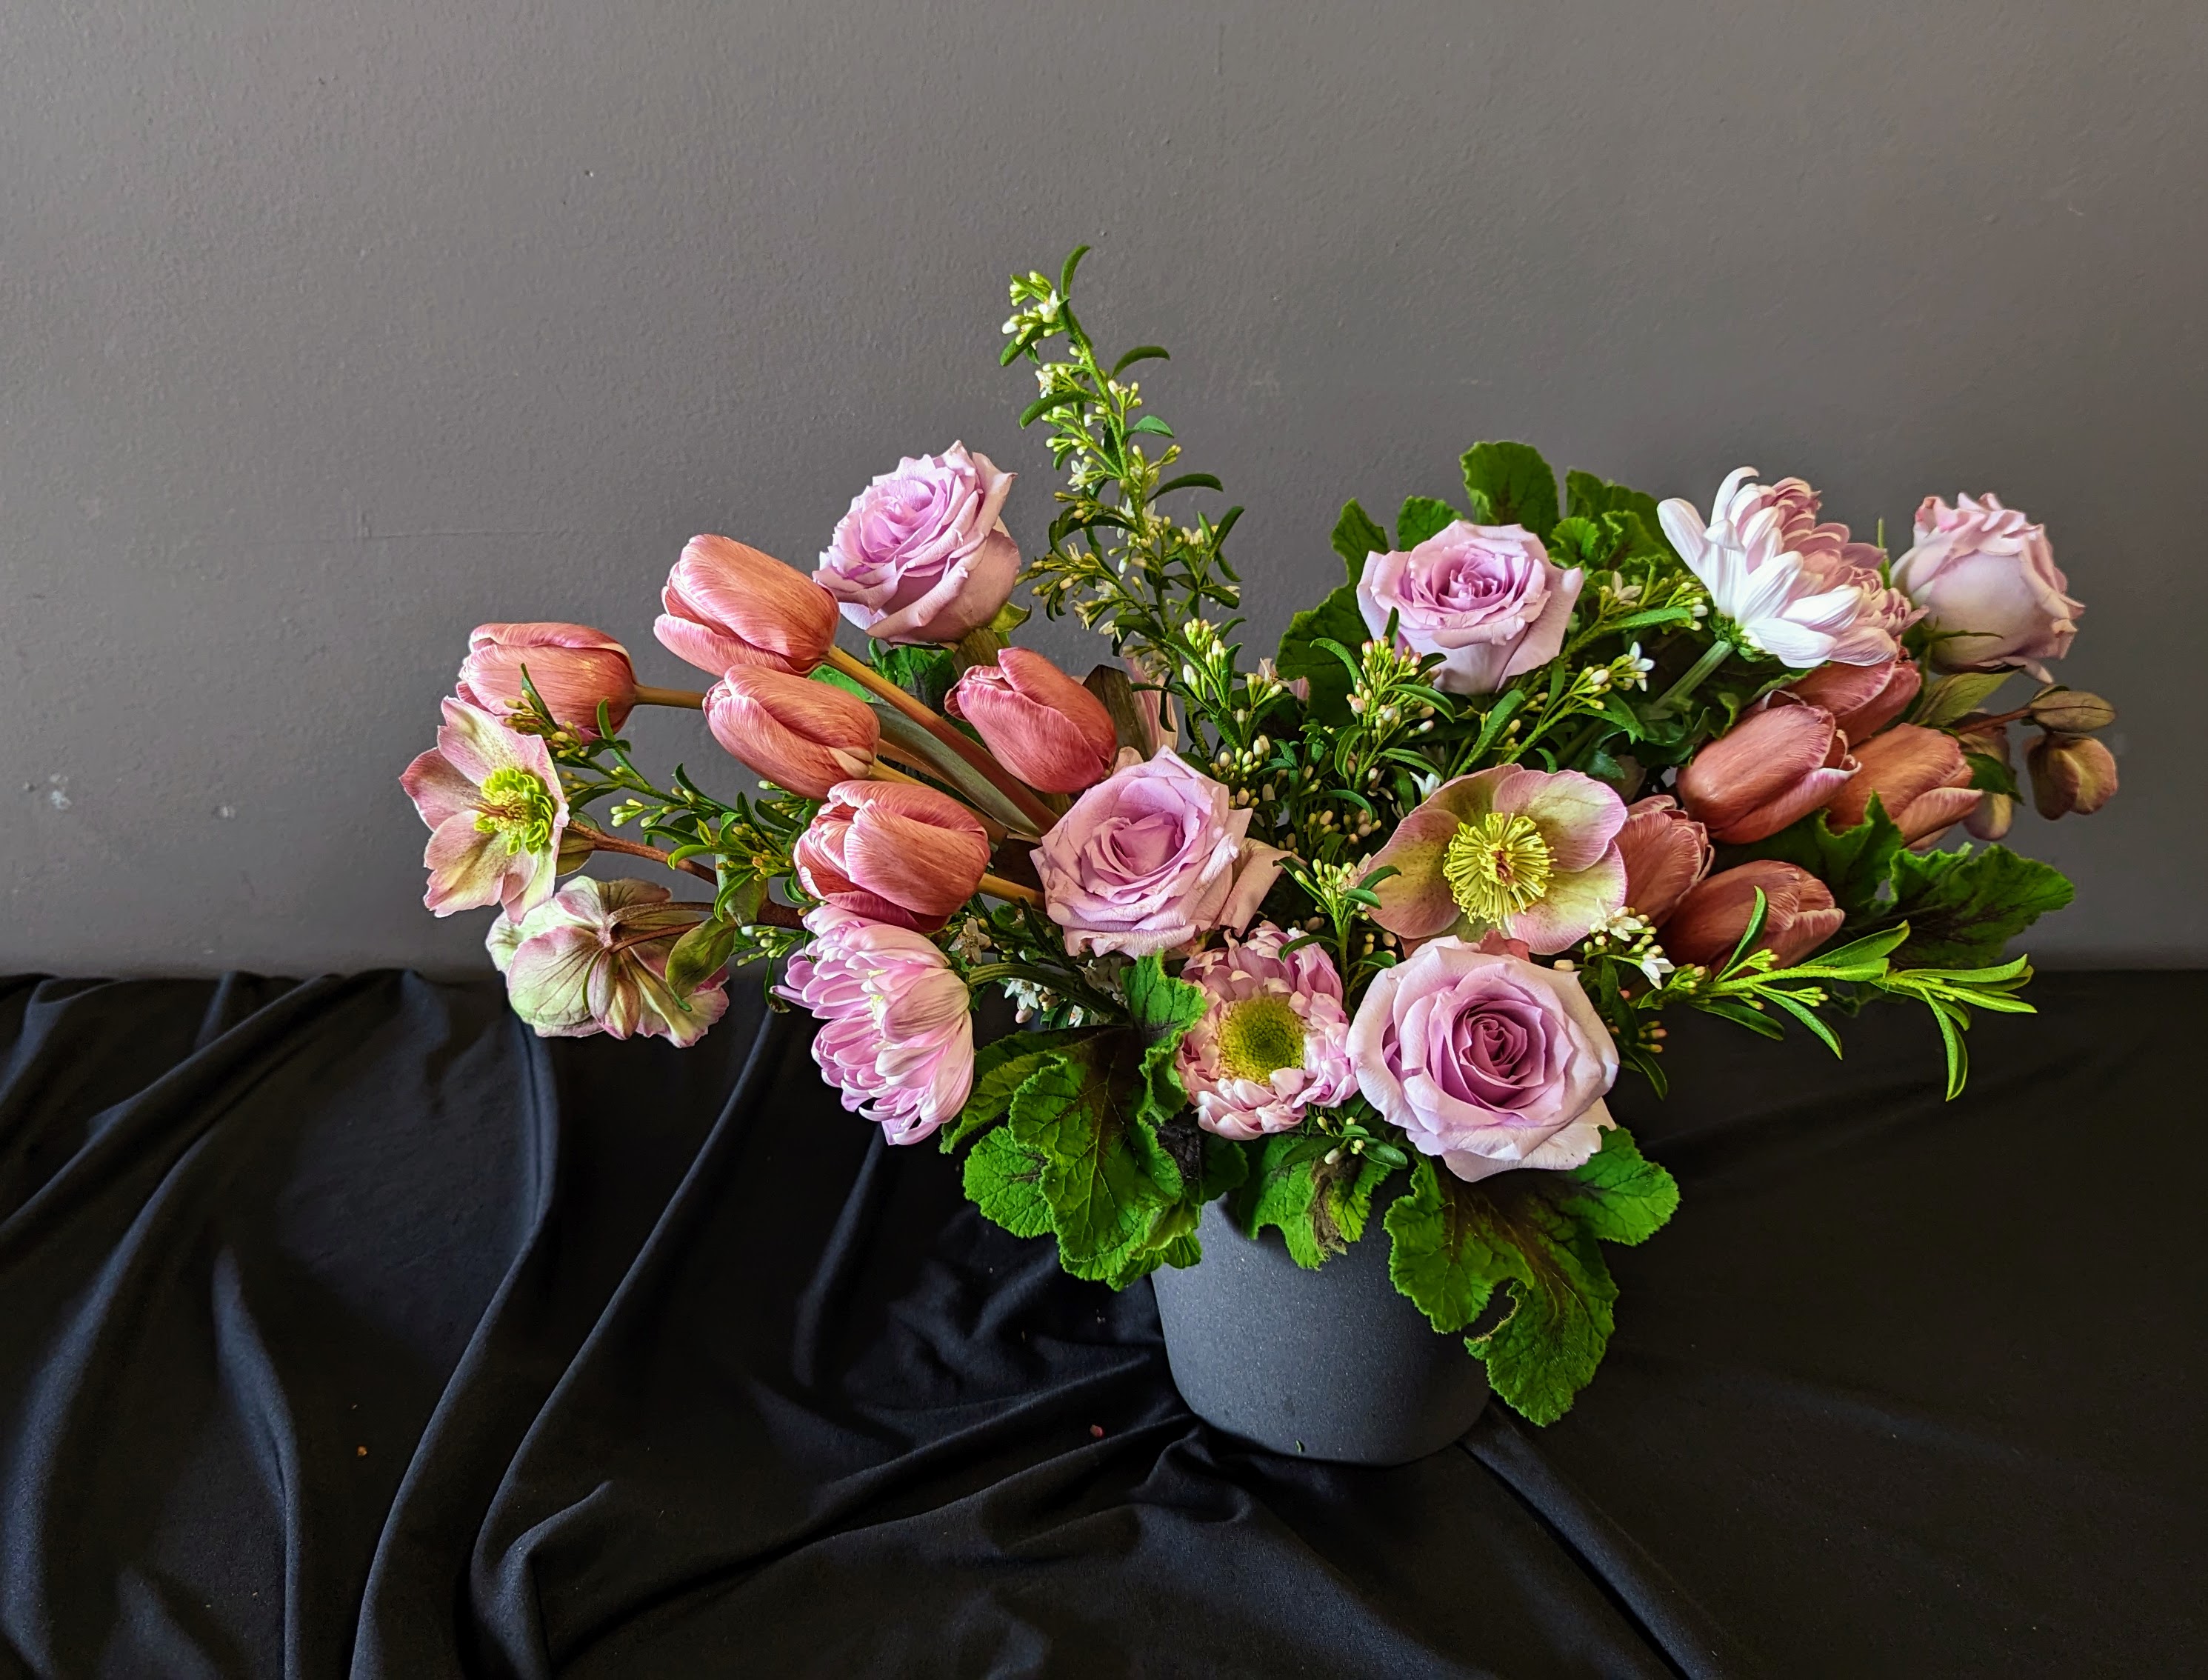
(1779,763)
(1920,778)
(1530,853)
(493,801)
(922,556)
(1487,598)
(1666,853)
(1799,915)
(898,1028)
(1275,1040)
(1487,1060)
(592,958)
(572,667)
(803,735)
(1863,698)
(727,604)
(1040,724)
(892,852)
(1987,576)
(2070,772)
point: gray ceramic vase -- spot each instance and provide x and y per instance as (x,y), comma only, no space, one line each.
(1333,1364)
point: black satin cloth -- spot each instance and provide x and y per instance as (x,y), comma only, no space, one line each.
(346,1328)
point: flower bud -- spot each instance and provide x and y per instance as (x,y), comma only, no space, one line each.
(894,852)
(1799,915)
(1666,853)
(2071,711)
(728,605)
(1997,810)
(1920,779)
(2070,773)
(806,736)
(571,666)
(1043,726)
(1776,764)
(1863,698)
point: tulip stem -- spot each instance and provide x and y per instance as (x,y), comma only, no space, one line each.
(1011,892)
(1002,779)
(1718,653)
(694,699)
(888,772)
(602,842)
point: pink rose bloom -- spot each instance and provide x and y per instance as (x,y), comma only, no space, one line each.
(592,958)
(1799,915)
(1274,1041)
(1987,576)
(1863,698)
(1487,598)
(897,1032)
(1666,853)
(922,556)
(1150,858)
(1529,853)
(497,813)
(894,852)
(1038,721)
(571,666)
(1782,761)
(1486,1060)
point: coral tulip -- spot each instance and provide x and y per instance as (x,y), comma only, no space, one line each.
(804,735)
(894,852)
(2070,772)
(571,667)
(1666,853)
(1863,698)
(1043,726)
(728,605)
(1776,764)
(1920,778)
(1799,915)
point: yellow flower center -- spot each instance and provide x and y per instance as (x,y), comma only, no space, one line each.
(1259,1036)
(1496,866)
(517,807)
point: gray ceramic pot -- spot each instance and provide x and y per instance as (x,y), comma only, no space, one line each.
(1333,1364)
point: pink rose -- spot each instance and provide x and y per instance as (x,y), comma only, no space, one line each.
(1486,1060)
(1487,598)
(922,556)
(1275,1040)
(1150,858)
(1666,853)
(1987,576)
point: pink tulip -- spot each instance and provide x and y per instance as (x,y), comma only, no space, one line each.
(1779,763)
(1666,853)
(1920,778)
(1043,726)
(571,666)
(894,852)
(729,605)
(1863,698)
(806,736)
(1799,915)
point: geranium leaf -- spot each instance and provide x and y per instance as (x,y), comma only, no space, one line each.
(925,672)
(1511,483)
(1421,518)
(1105,1174)
(1853,862)
(1589,497)
(1001,1068)
(1356,536)
(1318,1209)
(1963,907)
(1004,1181)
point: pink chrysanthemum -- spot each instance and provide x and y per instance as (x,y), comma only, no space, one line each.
(1274,1041)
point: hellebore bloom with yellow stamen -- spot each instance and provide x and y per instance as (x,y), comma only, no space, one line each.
(592,958)
(493,799)
(1530,853)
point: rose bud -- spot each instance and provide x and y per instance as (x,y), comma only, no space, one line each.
(1799,915)
(1863,698)
(806,736)
(1665,852)
(729,605)
(894,852)
(1920,778)
(1042,725)
(1987,577)
(2071,711)
(571,666)
(2070,773)
(1779,762)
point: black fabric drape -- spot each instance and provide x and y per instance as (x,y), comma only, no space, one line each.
(346,1328)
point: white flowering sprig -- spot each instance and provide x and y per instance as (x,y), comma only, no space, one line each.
(1343,894)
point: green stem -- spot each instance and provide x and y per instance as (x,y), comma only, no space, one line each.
(1718,652)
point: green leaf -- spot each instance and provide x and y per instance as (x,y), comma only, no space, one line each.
(1152,424)
(1991,773)
(1066,274)
(1422,516)
(1963,907)
(1438,1256)
(1162,1010)
(1589,497)
(1854,862)
(1335,619)
(1001,1068)
(698,953)
(1004,1181)
(1511,483)
(1355,536)
(1957,696)
(1187,481)
(1318,1209)
(925,672)
(1619,1194)
(1139,353)
(1105,1174)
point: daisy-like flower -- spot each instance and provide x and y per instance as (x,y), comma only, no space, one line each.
(497,812)
(1274,1041)
(1800,590)
(1531,854)
(592,958)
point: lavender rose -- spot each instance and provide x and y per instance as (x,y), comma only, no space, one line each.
(1149,858)
(1484,1059)
(1987,575)
(1487,598)
(922,556)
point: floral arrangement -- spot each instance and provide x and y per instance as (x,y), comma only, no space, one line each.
(1372,926)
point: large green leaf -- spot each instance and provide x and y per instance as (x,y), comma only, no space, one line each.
(1162,1010)
(1511,483)
(925,672)
(1854,862)
(1104,1175)
(1318,1209)
(1335,619)
(1422,516)
(1357,534)
(1963,907)
(1004,1181)
(1001,1068)
(1589,497)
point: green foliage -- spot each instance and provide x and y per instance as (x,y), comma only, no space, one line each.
(1963,907)
(1421,518)
(1511,483)
(1589,497)
(1318,1206)
(925,672)
(1004,1181)
(1539,1232)
(1336,618)
(1356,536)
(1854,862)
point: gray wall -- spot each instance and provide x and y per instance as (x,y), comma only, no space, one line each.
(328,330)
